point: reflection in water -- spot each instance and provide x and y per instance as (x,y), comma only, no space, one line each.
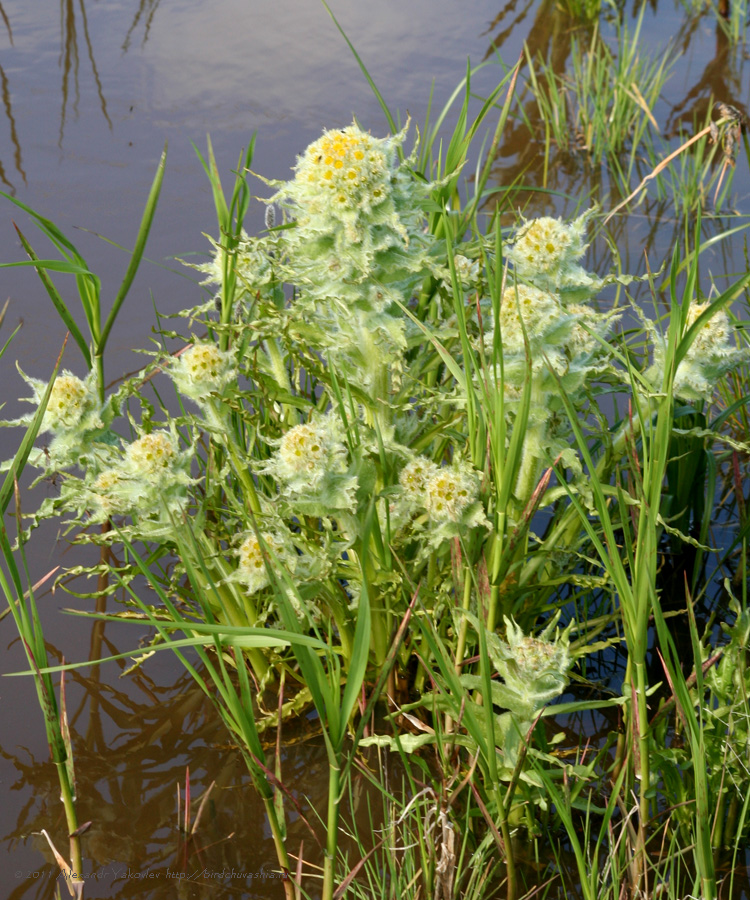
(6,22)
(147,9)
(139,739)
(499,39)
(721,80)
(558,182)
(4,86)
(69,60)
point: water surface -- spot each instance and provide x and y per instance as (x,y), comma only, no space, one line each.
(91,91)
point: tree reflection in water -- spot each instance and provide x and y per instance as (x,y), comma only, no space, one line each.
(70,60)
(139,738)
(146,12)
(7,106)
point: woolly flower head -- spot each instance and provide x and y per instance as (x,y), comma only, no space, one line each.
(73,404)
(148,482)
(67,403)
(310,465)
(414,477)
(252,569)
(152,454)
(106,494)
(713,335)
(449,492)
(448,495)
(546,251)
(534,669)
(583,341)
(358,238)
(201,370)
(711,355)
(348,167)
(303,449)
(73,415)
(544,246)
(524,307)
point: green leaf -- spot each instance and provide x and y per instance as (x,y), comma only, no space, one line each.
(54,295)
(135,260)
(22,454)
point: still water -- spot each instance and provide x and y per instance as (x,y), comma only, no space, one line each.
(91,91)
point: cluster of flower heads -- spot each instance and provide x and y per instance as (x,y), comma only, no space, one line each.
(148,481)
(359,213)
(543,311)
(448,495)
(342,173)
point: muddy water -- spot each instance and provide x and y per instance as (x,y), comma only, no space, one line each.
(90,92)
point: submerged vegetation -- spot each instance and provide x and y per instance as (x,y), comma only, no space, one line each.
(419,470)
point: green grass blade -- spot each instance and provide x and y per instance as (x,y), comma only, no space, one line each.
(135,259)
(379,96)
(360,649)
(22,454)
(54,295)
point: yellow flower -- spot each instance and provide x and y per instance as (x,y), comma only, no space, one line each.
(348,162)
(67,403)
(414,476)
(302,449)
(252,569)
(151,454)
(448,493)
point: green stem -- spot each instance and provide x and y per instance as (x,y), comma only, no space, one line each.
(533,444)
(461,645)
(377,370)
(510,862)
(332,831)
(280,845)
(66,795)
(241,471)
(99,365)
(640,686)
(419,678)
(496,555)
